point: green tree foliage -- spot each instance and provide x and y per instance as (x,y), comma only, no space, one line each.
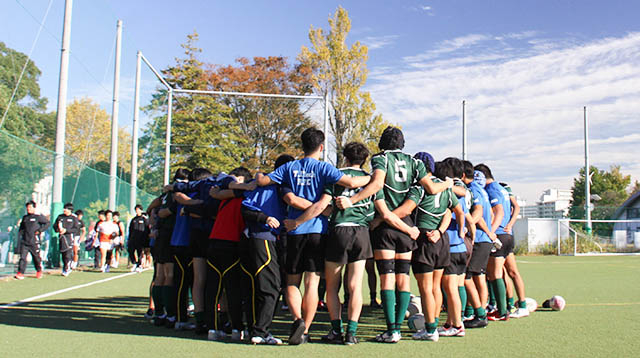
(610,185)
(27,117)
(339,72)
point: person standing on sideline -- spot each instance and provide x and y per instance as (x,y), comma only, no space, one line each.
(31,226)
(66,225)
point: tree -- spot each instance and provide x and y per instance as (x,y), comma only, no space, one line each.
(271,126)
(339,72)
(610,185)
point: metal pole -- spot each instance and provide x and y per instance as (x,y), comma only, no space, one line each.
(464,130)
(587,177)
(134,138)
(167,140)
(61,118)
(325,153)
(113,169)
(248,94)
(559,241)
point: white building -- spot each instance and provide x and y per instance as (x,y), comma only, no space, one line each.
(626,235)
(553,204)
(42,195)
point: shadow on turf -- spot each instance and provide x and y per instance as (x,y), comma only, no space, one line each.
(124,315)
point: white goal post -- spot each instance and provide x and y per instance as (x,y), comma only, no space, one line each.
(171,91)
(609,237)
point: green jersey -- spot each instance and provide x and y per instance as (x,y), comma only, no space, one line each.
(401,170)
(431,208)
(361,213)
(468,197)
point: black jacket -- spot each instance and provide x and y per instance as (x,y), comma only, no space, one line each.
(31,226)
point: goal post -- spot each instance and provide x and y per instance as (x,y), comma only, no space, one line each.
(608,237)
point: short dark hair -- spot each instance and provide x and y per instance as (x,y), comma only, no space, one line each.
(138,206)
(241,172)
(79,212)
(281,160)
(467,169)
(356,153)
(427,159)
(116,213)
(199,174)
(443,170)
(102,212)
(181,174)
(30,202)
(485,170)
(392,138)
(68,206)
(456,166)
(108,212)
(311,138)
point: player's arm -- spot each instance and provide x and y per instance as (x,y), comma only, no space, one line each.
(471,226)
(435,235)
(435,188)
(514,214)
(459,191)
(164,213)
(154,204)
(375,183)
(394,221)
(459,219)
(405,209)
(295,201)
(311,212)
(498,214)
(350,182)
(476,214)
(252,185)
(43,222)
(184,199)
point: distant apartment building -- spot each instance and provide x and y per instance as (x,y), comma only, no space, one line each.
(553,204)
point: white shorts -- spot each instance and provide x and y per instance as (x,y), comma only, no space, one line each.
(105,246)
(76,241)
(116,241)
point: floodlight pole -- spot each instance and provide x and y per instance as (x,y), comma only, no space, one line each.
(167,140)
(113,161)
(61,118)
(587,177)
(325,152)
(464,130)
(134,138)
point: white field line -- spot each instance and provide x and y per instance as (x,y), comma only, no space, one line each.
(45,295)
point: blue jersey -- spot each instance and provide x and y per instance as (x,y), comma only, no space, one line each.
(498,195)
(480,197)
(201,189)
(456,243)
(182,228)
(307,179)
(268,200)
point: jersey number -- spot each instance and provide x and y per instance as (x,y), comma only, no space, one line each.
(400,171)
(436,203)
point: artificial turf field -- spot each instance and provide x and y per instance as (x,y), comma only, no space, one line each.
(602,318)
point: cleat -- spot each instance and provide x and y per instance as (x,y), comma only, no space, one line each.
(519,313)
(170,322)
(297,332)
(322,306)
(497,317)
(332,337)
(138,269)
(106,268)
(65,273)
(39,274)
(468,318)
(19,276)
(268,340)
(350,339)
(476,323)
(214,335)
(389,337)
(423,335)
(452,332)
(237,335)
(306,338)
(184,326)
(148,314)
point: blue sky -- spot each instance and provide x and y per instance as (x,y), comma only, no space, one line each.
(525,68)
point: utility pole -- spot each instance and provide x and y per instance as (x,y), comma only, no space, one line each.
(113,169)
(587,177)
(134,138)
(464,130)
(167,138)
(325,153)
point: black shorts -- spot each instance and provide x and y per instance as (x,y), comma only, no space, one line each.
(162,250)
(457,264)
(479,259)
(388,238)
(305,253)
(346,244)
(429,256)
(507,246)
(199,243)
(281,249)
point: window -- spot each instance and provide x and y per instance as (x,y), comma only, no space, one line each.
(633,213)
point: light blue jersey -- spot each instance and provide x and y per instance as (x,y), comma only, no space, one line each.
(480,197)
(500,196)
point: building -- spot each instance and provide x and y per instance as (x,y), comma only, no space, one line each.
(626,235)
(553,204)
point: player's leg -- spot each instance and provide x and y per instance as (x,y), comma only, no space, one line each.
(518,282)
(35,257)
(22,264)
(372,280)
(403,286)
(508,284)
(496,280)
(170,299)
(212,297)
(385,261)
(354,284)
(263,261)
(332,274)
(310,298)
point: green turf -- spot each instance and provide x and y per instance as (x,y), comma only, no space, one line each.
(602,318)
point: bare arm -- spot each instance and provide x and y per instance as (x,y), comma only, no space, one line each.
(459,191)
(479,221)
(514,214)
(263,180)
(459,219)
(311,212)
(350,182)
(498,214)
(164,213)
(394,221)
(221,194)
(244,186)
(435,235)
(154,204)
(184,199)
(471,227)
(296,202)
(405,209)
(375,184)
(435,188)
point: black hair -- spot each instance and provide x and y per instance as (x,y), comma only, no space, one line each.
(108,212)
(356,153)
(138,206)
(504,184)
(199,174)
(241,172)
(116,213)
(311,138)
(467,169)
(68,206)
(485,170)
(30,202)
(443,170)
(392,138)
(79,212)
(102,212)
(281,160)
(181,174)
(456,166)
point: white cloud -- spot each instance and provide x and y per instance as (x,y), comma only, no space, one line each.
(377,42)
(524,104)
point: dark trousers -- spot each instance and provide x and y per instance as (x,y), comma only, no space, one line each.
(67,257)
(260,262)
(183,280)
(135,253)
(96,257)
(34,250)
(223,273)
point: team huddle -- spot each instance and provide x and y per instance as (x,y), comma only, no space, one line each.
(238,243)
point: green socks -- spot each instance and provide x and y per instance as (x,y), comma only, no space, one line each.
(463,297)
(352,327)
(480,312)
(492,295)
(169,300)
(522,304)
(336,324)
(510,302)
(158,301)
(402,303)
(389,307)
(431,327)
(500,292)
(468,311)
